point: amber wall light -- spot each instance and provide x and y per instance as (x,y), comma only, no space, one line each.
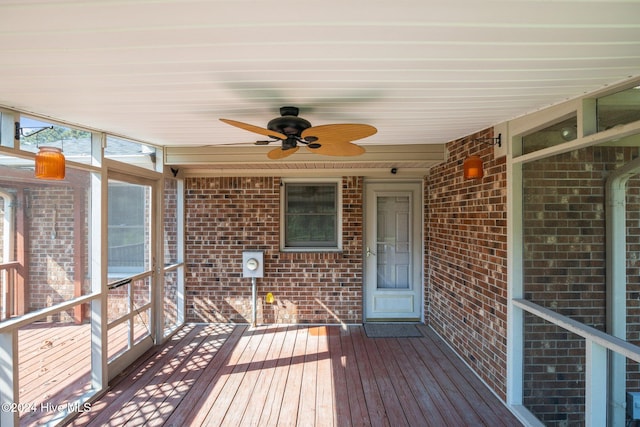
(50,163)
(473,168)
(473,165)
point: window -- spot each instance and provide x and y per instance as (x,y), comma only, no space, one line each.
(74,143)
(555,134)
(311,215)
(618,108)
(130,152)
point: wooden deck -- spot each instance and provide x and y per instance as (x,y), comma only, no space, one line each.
(224,375)
(55,367)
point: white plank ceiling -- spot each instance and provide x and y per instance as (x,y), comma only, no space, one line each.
(421,72)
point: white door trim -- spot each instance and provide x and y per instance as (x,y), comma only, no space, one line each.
(372,190)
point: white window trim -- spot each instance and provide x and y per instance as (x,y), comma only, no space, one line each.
(284,182)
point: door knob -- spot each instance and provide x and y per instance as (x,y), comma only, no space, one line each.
(369,253)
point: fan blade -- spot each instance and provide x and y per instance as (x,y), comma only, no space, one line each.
(256,129)
(339,132)
(279,153)
(339,149)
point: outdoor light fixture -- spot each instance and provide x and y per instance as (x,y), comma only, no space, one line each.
(473,165)
(50,163)
(568,133)
(473,168)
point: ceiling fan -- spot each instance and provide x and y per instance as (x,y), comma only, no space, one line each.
(292,131)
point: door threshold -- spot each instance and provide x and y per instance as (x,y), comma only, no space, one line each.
(393,320)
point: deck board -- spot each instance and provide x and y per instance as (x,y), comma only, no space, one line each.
(324,392)
(397,376)
(341,408)
(309,382)
(273,400)
(355,388)
(373,399)
(264,378)
(382,373)
(223,375)
(293,385)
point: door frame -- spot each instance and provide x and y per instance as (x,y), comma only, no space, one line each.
(152,180)
(416,186)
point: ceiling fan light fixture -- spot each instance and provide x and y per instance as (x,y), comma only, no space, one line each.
(289,143)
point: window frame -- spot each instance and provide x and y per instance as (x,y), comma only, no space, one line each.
(283,214)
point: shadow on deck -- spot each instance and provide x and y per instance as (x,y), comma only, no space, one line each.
(297,375)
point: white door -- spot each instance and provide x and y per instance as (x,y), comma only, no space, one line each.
(393,252)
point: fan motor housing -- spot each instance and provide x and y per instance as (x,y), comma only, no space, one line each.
(289,125)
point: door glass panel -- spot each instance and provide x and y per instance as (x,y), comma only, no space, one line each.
(393,242)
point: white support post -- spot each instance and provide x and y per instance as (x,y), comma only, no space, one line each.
(596,385)
(180,211)
(616,278)
(99,228)
(515,315)
(9,416)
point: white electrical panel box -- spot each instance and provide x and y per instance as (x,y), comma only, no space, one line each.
(633,405)
(252,264)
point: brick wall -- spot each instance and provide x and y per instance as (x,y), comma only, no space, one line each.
(564,229)
(226,216)
(51,243)
(52,232)
(633,278)
(467,258)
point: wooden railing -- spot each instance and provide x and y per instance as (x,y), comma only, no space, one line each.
(8,281)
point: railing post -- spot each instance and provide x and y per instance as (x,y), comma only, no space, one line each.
(4,295)
(9,415)
(8,281)
(596,385)
(21,293)
(12,308)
